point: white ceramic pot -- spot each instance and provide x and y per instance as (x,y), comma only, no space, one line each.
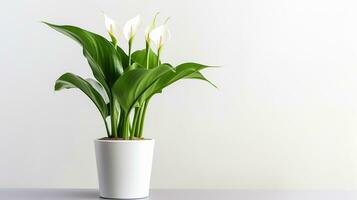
(124,168)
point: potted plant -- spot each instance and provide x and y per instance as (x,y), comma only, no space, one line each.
(123,86)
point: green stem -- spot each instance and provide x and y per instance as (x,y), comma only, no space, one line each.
(120,128)
(113,119)
(147,54)
(135,121)
(130,132)
(130,128)
(143,118)
(140,119)
(130,42)
(126,126)
(106,127)
(158,56)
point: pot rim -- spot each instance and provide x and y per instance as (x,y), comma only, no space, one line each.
(124,141)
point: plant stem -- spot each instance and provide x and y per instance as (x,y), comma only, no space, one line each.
(126,126)
(140,118)
(130,128)
(106,127)
(143,118)
(113,119)
(135,121)
(130,42)
(120,127)
(130,133)
(147,54)
(158,56)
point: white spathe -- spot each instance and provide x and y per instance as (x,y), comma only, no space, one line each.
(160,35)
(124,167)
(150,27)
(131,27)
(111,26)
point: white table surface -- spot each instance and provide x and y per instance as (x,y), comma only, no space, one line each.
(82,194)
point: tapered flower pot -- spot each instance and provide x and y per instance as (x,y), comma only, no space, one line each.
(124,168)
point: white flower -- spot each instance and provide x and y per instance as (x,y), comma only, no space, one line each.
(160,35)
(111,27)
(131,27)
(150,28)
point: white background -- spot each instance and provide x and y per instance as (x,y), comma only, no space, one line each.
(284,115)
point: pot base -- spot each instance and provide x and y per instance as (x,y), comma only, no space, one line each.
(124,168)
(124,199)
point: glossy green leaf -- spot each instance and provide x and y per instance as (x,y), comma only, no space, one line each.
(100,89)
(199,75)
(69,80)
(124,58)
(135,65)
(104,59)
(114,114)
(186,70)
(134,83)
(140,58)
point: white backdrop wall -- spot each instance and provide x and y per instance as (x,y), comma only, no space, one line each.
(284,115)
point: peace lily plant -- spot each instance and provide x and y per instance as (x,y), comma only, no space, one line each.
(123,86)
(125,82)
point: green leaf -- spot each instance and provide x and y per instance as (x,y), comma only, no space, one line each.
(129,87)
(183,71)
(100,89)
(186,70)
(114,114)
(124,58)
(135,65)
(69,80)
(140,58)
(198,75)
(104,59)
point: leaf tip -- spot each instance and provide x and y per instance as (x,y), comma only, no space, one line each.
(44,22)
(214,66)
(56,86)
(214,85)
